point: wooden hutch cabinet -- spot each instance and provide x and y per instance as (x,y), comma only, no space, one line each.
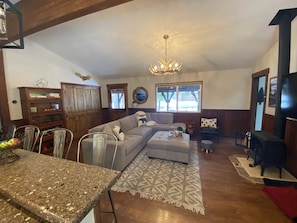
(42,107)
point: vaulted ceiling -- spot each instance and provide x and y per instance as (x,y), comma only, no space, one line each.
(204,35)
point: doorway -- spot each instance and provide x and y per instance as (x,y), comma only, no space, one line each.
(258,99)
(117,101)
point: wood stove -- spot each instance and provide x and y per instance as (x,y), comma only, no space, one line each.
(267,150)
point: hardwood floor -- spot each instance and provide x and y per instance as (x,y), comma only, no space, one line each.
(227,197)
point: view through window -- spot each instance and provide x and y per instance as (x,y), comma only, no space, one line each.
(118,99)
(180,97)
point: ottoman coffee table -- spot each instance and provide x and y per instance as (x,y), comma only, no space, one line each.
(164,146)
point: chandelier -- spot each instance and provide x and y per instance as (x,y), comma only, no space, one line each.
(9,14)
(166,66)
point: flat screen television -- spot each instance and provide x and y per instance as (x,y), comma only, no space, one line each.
(289,96)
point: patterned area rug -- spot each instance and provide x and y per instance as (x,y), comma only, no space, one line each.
(174,183)
(253,174)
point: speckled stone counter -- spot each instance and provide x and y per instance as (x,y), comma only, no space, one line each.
(53,189)
(13,213)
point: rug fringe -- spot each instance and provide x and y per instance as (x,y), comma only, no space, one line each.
(193,208)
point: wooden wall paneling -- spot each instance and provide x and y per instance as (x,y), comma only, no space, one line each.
(96,99)
(291,143)
(4,110)
(189,118)
(215,113)
(79,97)
(105,115)
(82,107)
(268,123)
(235,121)
(230,121)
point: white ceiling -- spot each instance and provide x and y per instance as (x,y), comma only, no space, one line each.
(204,35)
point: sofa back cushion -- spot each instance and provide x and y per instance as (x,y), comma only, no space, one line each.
(160,118)
(98,128)
(112,124)
(128,122)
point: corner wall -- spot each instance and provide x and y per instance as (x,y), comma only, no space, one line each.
(24,67)
(270,60)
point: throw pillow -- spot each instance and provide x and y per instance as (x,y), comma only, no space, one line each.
(141,120)
(209,122)
(151,123)
(140,113)
(108,130)
(118,132)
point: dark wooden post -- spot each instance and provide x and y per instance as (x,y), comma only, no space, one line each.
(283,18)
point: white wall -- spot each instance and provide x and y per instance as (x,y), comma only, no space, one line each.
(270,60)
(293,64)
(24,67)
(228,89)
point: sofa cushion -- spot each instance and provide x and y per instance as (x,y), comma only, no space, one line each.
(108,130)
(163,127)
(131,142)
(150,123)
(128,122)
(161,118)
(113,124)
(142,131)
(98,128)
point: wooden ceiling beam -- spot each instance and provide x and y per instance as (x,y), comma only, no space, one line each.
(38,15)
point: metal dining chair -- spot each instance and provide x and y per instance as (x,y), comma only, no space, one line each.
(28,135)
(99,149)
(62,139)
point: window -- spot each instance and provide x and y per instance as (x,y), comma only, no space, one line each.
(181,97)
(118,99)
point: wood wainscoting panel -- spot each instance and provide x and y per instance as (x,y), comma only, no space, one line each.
(230,121)
(291,143)
(4,109)
(268,123)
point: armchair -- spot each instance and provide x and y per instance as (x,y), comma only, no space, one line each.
(209,128)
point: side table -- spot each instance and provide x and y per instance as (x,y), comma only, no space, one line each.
(206,145)
(191,127)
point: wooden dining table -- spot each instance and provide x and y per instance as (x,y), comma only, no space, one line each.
(42,188)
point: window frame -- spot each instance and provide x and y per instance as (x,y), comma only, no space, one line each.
(176,85)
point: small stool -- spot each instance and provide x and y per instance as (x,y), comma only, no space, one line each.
(206,145)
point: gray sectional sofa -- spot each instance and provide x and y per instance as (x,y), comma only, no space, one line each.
(135,136)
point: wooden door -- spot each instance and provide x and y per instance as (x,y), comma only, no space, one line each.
(117,101)
(255,95)
(82,107)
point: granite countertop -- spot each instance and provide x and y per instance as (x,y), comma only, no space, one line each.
(11,212)
(53,189)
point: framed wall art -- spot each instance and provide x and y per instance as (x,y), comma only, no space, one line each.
(272,91)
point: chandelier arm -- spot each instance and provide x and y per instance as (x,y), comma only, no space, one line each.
(165,67)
